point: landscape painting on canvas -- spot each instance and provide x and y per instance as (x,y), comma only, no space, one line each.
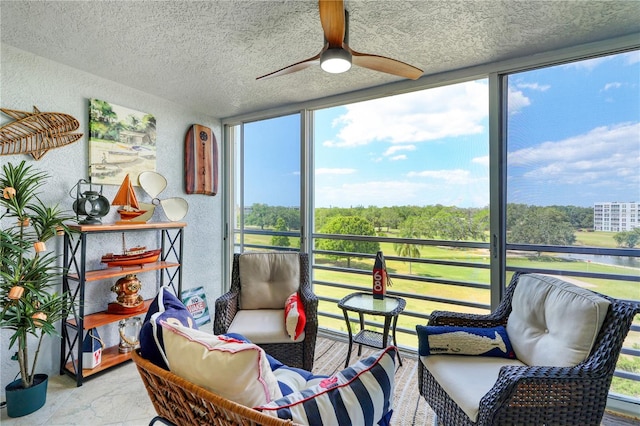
(122,141)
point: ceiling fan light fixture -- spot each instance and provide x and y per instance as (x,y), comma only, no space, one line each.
(335,60)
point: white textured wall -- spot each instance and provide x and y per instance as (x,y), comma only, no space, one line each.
(28,80)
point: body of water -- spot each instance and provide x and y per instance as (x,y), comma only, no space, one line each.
(626,261)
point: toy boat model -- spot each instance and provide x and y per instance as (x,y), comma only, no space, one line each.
(135,256)
(126,197)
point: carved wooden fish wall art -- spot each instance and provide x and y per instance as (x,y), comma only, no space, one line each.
(36,132)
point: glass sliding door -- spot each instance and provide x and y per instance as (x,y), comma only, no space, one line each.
(267,184)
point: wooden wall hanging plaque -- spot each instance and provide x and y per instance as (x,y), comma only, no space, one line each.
(201,161)
(36,132)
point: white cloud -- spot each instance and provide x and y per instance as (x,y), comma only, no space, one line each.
(632,57)
(517,100)
(328,171)
(614,85)
(534,86)
(426,115)
(450,177)
(395,148)
(484,160)
(398,157)
(590,158)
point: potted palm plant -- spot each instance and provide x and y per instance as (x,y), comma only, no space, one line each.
(29,277)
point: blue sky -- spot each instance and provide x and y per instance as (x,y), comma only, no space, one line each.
(573,138)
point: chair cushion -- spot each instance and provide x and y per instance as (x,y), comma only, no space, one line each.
(165,307)
(268,279)
(232,368)
(295,318)
(358,395)
(443,340)
(262,326)
(466,379)
(552,322)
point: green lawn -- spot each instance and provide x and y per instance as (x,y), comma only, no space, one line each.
(595,239)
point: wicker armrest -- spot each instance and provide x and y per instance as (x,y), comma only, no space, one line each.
(309,300)
(465,320)
(494,319)
(522,389)
(226,307)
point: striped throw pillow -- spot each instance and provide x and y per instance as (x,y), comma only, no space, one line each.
(358,395)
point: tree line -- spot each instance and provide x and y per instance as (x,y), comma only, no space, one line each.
(526,224)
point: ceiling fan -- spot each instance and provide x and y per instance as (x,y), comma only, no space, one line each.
(336,56)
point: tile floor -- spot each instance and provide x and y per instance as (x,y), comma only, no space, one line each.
(117,398)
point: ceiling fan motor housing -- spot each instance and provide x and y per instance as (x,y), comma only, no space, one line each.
(335,60)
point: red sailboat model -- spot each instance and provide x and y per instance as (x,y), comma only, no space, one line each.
(126,197)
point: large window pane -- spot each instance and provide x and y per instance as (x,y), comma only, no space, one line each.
(410,173)
(267,193)
(573,183)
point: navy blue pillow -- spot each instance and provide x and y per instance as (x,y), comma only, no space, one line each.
(449,340)
(165,307)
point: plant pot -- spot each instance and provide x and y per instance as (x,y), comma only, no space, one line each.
(21,402)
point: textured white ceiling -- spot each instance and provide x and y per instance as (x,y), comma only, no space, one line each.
(206,54)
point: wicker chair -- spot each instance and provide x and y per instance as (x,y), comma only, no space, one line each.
(294,354)
(179,402)
(535,395)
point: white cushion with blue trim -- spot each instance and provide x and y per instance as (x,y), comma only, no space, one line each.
(358,395)
(233,368)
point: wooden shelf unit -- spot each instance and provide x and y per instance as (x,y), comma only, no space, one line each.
(102,274)
(98,319)
(77,322)
(110,358)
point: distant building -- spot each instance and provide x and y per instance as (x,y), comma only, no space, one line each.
(615,216)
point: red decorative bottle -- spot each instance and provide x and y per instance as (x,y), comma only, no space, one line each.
(379,277)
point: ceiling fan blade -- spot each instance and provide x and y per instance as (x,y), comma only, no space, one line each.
(333,21)
(298,66)
(384,64)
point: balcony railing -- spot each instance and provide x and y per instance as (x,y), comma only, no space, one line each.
(458,279)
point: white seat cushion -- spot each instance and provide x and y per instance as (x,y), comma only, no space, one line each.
(262,326)
(268,279)
(552,322)
(466,378)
